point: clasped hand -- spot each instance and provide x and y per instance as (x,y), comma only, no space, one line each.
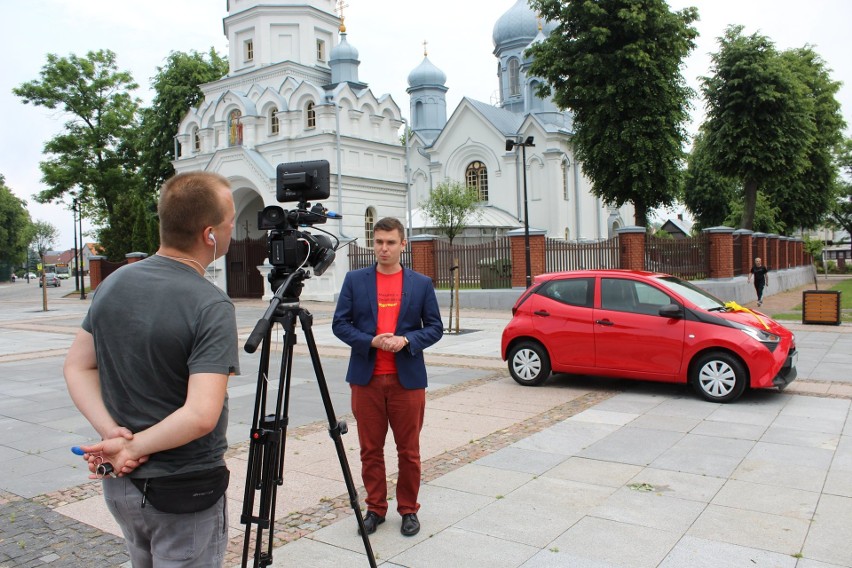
(113,450)
(388,342)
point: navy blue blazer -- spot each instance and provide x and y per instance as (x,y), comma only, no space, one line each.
(356,317)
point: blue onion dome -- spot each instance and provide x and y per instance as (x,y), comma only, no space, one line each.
(343,51)
(518,25)
(426,74)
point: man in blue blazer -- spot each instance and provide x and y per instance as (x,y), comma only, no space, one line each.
(388,315)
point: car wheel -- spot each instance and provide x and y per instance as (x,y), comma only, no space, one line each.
(529,363)
(718,377)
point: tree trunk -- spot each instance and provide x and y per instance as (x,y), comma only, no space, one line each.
(640,214)
(457,278)
(750,194)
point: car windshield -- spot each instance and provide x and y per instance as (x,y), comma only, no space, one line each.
(691,292)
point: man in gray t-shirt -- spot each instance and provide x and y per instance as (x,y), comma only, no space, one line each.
(149,370)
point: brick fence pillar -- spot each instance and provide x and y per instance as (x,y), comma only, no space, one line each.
(538,264)
(135,256)
(784,252)
(95,273)
(721,251)
(423,255)
(631,242)
(798,252)
(773,251)
(746,244)
(759,249)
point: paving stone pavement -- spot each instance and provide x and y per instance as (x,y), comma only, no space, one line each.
(580,472)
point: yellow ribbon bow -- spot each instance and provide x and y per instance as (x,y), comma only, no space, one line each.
(735,307)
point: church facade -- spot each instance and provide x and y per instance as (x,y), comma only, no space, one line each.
(293,94)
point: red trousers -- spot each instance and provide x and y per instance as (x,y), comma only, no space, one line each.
(376,405)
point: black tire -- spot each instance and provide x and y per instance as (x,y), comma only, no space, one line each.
(529,363)
(718,377)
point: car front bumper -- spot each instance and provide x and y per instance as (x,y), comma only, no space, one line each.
(788,372)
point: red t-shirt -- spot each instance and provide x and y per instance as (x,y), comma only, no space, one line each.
(389,293)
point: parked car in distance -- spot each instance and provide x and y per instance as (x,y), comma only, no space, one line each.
(29,275)
(50,279)
(63,275)
(644,325)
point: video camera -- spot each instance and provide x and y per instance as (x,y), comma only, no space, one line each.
(290,249)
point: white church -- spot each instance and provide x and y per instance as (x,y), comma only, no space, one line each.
(293,94)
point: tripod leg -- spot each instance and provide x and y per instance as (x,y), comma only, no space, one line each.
(265,468)
(335,429)
(258,449)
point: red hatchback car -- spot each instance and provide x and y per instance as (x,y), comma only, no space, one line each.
(644,325)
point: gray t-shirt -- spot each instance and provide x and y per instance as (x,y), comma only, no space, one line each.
(155,322)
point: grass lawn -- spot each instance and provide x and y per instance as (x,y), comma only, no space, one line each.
(845,289)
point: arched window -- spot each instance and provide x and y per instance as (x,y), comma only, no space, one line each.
(312,115)
(196,140)
(514,78)
(476,176)
(235,128)
(274,124)
(369,222)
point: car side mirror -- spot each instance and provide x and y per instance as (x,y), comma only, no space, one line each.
(671,311)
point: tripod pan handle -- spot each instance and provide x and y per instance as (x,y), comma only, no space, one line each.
(257,335)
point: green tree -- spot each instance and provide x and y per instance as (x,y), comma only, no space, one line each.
(44,236)
(450,206)
(805,197)
(766,215)
(707,194)
(15,227)
(177,89)
(841,213)
(759,124)
(616,64)
(91,158)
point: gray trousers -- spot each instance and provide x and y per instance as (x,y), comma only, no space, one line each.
(166,540)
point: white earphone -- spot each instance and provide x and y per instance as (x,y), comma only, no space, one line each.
(212,238)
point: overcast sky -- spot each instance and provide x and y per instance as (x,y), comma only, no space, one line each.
(389,41)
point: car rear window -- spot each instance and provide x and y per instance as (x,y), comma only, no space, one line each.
(572,291)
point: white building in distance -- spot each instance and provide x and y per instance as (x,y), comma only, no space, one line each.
(293,94)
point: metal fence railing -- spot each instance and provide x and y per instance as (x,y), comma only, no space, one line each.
(362,257)
(108,267)
(685,258)
(562,255)
(491,262)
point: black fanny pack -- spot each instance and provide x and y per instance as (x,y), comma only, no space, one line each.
(184,492)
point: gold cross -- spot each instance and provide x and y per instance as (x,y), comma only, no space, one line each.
(340,6)
(425,53)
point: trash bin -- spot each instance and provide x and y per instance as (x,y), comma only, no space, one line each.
(495,273)
(821,306)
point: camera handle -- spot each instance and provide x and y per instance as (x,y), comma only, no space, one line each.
(265,465)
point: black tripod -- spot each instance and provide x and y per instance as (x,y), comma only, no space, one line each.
(265,469)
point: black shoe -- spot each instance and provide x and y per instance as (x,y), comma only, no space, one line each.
(371,522)
(410,524)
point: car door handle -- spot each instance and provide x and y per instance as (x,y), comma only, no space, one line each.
(543,313)
(604,322)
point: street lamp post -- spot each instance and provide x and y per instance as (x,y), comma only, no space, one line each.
(76,250)
(80,221)
(509,145)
